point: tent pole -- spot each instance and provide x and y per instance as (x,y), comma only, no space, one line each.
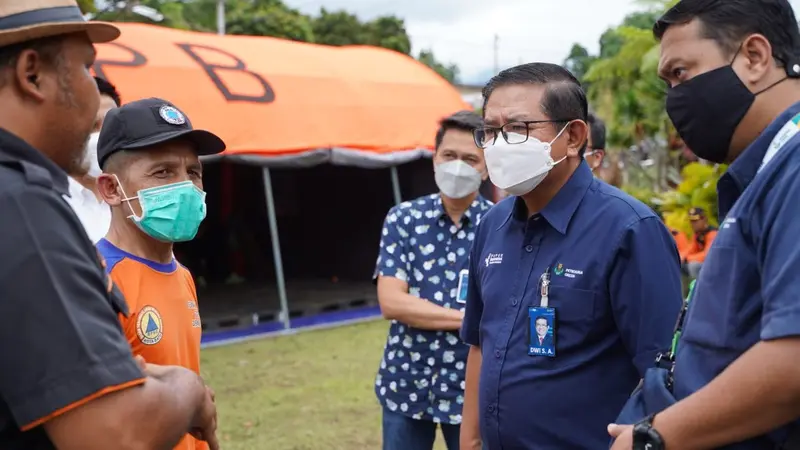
(396,185)
(221,17)
(276,248)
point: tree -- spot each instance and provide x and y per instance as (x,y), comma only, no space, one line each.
(448,72)
(274,19)
(578,61)
(338,28)
(389,32)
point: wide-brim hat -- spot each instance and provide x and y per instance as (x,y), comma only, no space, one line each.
(26,20)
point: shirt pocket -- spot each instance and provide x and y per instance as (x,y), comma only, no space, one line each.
(707,322)
(573,306)
(575,312)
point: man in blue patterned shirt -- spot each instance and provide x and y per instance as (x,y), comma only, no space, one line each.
(423,258)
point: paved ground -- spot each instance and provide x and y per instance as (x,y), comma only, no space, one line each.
(233,306)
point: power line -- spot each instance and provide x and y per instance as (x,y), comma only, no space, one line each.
(496,54)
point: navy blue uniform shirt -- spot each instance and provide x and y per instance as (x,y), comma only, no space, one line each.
(422,371)
(616,288)
(749,288)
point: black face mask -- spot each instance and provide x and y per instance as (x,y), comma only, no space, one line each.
(707,109)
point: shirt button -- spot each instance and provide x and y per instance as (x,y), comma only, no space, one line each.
(497,353)
(513,302)
(528,248)
(491,408)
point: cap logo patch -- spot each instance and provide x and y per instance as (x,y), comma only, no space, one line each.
(171,115)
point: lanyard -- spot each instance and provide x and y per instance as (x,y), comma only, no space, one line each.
(676,335)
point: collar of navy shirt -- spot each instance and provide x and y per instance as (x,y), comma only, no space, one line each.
(743,170)
(559,211)
(15,150)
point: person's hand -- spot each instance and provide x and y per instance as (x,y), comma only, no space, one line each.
(474,444)
(623,436)
(204,426)
(141,362)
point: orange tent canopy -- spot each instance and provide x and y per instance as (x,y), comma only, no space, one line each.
(273,97)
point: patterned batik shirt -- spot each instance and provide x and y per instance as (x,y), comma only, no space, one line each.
(422,372)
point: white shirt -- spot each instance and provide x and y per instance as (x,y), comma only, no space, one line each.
(95,215)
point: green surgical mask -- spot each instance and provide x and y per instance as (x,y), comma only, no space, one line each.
(170,213)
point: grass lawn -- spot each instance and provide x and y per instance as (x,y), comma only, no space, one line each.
(310,391)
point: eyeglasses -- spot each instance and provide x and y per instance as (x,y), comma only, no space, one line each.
(515,132)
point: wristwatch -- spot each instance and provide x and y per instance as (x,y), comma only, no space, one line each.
(645,437)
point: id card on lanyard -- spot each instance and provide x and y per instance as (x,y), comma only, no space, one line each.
(542,322)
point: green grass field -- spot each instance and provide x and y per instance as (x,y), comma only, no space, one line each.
(310,391)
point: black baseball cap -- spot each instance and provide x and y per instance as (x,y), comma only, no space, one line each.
(149,122)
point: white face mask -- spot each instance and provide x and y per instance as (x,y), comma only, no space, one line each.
(90,155)
(519,168)
(456,179)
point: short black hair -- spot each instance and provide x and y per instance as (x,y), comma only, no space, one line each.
(564,99)
(106,88)
(463,120)
(597,128)
(541,318)
(48,48)
(729,22)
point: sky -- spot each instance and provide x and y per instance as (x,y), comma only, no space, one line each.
(463,31)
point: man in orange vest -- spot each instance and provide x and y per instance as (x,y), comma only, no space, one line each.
(693,256)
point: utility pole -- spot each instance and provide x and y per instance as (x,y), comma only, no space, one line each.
(220,16)
(496,54)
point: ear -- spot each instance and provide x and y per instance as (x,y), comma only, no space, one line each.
(30,75)
(108,188)
(577,132)
(758,60)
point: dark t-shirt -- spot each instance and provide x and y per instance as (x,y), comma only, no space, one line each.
(61,344)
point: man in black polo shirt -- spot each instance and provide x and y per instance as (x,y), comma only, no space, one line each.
(68,379)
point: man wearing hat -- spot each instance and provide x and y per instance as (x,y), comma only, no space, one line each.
(693,256)
(153,182)
(69,379)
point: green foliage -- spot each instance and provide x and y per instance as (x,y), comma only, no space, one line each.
(625,91)
(579,61)
(698,188)
(449,73)
(86,6)
(389,32)
(644,195)
(274,20)
(338,28)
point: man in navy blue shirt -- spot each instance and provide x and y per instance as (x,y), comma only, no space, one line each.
(421,276)
(597,263)
(734,96)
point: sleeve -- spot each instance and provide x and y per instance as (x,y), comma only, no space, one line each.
(63,345)
(393,258)
(127,321)
(645,290)
(779,259)
(473,310)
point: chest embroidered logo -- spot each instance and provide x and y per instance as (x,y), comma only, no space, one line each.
(493,258)
(149,326)
(560,270)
